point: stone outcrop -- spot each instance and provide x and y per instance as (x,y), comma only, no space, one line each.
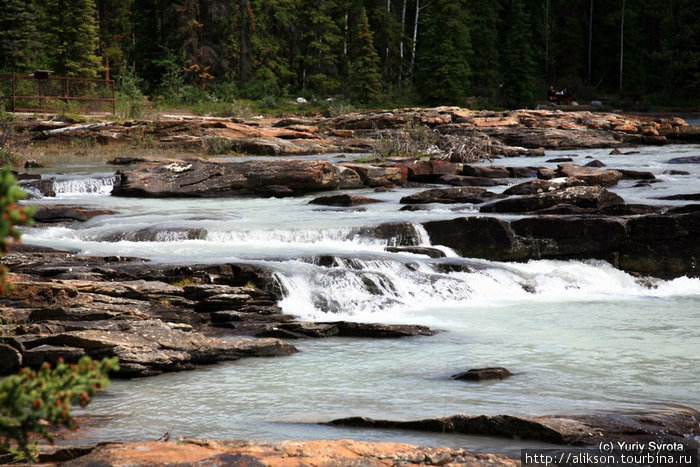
(672,426)
(660,245)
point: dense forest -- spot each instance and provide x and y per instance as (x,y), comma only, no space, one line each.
(481,52)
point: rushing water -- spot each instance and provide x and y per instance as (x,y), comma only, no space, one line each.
(580,336)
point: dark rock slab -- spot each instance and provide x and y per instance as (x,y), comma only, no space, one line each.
(418,250)
(684,160)
(595,163)
(55,214)
(684,197)
(430,170)
(540,186)
(671,426)
(486,171)
(343,200)
(481,374)
(465,180)
(36,356)
(595,197)
(522,172)
(472,195)
(208,178)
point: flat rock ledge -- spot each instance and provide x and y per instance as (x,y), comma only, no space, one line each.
(669,426)
(335,453)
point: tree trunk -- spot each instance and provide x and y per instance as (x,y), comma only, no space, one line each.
(415,38)
(590,41)
(403,29)
(622,42)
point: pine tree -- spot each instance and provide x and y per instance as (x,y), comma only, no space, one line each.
(364,76)
(73,45)
(518,68)
(485,75)
(444,51)
(19,49)
(115,28)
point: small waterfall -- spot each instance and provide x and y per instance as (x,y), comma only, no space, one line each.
(85,186)
(380,289)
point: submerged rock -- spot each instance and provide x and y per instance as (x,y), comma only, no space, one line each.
(480,374)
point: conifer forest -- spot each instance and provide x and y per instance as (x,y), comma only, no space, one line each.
(431,52)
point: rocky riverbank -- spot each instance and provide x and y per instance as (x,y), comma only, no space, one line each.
(452,131)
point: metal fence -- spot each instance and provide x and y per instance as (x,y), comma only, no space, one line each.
(40,92)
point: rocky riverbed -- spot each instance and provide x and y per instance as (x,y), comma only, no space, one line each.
(171,317)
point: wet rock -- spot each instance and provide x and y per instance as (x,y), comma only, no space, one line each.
(10,359)
(207,178)
(349,178)
(663,246)
(542,186)
(635,174)
(684,160)
(418,250)
(32,164)
(560,159)
(464,180)
(343,200)
(673,426)
(472,195)
(44,187)
(56,214)
(430,170)
(594,197)
(481,374)
(590,175)
(522,172)
(376,176)
(676,172)
(684,196)
(152,347)
(545,173)
(36,356)
(485,171)
(595,163)
(478,237)
(396,233)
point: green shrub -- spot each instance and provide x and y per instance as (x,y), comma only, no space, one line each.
(31,402)
(11,215)
(130,99)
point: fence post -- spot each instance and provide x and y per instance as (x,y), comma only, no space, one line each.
(14,92)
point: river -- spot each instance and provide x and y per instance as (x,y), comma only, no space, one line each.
(580,336)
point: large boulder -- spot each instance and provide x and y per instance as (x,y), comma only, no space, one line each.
(379,175)
(205,178)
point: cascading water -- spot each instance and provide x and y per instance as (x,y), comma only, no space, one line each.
(85,186)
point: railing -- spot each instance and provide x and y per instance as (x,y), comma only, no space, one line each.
(40,92)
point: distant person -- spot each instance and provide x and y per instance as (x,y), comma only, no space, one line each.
(552,94)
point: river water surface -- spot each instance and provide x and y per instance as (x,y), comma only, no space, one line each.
(580,336)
